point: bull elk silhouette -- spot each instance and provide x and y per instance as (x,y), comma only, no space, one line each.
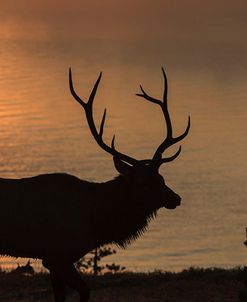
(59,218)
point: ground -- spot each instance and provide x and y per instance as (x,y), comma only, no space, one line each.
(192,285)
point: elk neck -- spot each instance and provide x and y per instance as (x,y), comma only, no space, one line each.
(127,211)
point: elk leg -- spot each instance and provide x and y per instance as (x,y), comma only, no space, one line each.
(58,285)
(57,280)
(73,280)
(65,274)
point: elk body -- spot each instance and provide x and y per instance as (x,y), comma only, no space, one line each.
(59,218)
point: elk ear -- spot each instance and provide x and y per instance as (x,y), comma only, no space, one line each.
(122,167)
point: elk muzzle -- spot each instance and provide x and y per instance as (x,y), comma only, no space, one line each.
(172,199)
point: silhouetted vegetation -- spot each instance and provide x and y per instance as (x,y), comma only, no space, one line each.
(92,263)
(24,269)
(193,285)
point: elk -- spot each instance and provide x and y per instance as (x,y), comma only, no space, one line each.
(59,218)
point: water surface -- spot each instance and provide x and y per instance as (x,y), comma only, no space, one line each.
(44,130)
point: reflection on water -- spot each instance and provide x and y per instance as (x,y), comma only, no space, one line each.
(43,130)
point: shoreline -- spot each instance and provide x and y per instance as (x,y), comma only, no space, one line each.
(193,284)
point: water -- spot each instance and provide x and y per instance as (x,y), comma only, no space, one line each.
(43,130)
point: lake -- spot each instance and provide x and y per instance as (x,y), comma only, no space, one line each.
(44,130)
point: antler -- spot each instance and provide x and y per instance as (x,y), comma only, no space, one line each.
(157,159)
(98,135)
(169,140)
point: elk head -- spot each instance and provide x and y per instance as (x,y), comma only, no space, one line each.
(142,175)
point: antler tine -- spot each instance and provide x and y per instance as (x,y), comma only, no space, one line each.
(72,90)
(148,97)
(165,84)
(101,131)
(92,95)
(169,140)
(98,135)
(164,107)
